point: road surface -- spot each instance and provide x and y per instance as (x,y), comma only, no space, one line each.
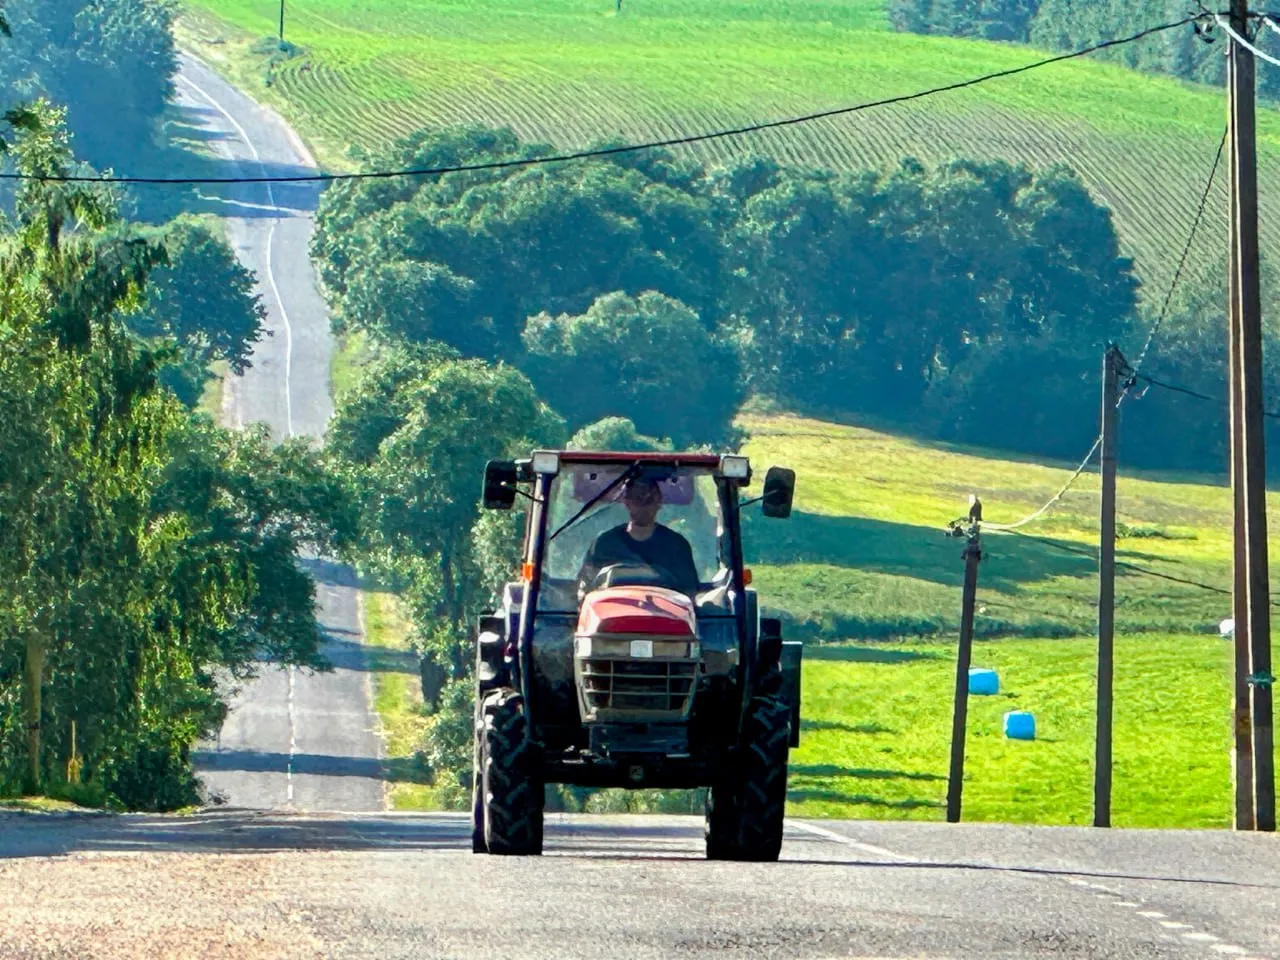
(255,884)
(292,740)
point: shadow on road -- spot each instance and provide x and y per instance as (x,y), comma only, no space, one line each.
(395,769)
(227,831)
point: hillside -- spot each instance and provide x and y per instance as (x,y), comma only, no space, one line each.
(570,71)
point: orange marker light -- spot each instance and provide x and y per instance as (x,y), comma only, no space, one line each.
(746,576)
(526,573)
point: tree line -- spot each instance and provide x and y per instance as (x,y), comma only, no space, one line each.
(1067,25)
(149,557)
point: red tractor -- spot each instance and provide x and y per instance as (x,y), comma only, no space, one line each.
(631,652)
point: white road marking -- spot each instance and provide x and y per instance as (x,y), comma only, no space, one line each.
(1153,914)
(271,233)
(1174,925)
(1199,937)
(1230,949)
(288,355)
(872,849)
(1125,903)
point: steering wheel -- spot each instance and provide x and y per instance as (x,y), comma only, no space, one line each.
(627,574)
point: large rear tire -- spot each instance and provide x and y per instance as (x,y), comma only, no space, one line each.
(513,795)
(477,784)
(746,814)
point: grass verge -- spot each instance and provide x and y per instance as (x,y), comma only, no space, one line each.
(877,726)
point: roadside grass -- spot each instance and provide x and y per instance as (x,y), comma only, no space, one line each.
(876,727)
(572,71)
(397,698)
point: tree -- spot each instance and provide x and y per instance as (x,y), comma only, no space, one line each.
(648,358)
(203,300)
(466,258)
(142,549)
(419,493)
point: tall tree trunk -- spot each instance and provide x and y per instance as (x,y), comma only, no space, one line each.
(34,681)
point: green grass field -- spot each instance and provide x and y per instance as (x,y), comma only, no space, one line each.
(863,567)
(570,71)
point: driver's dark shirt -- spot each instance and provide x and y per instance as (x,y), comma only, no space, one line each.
(665,551)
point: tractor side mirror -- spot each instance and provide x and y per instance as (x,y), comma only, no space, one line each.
(500,477)
(779,488)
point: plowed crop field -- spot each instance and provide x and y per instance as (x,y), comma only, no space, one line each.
(573,71)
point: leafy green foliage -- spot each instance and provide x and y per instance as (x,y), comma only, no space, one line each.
(1070,25)
(110,61)
(648,358)
(145,552)
(202,299)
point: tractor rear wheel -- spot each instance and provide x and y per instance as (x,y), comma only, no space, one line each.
(477,784)
(512,794)
(745,814)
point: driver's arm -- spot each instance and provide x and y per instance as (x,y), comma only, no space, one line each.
(683,568)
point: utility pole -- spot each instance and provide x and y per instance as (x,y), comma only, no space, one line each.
(282,24)
(964,658)
(1242,725)
(1247,381)
(1111,364)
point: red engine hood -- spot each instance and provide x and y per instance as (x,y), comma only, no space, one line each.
(641,610)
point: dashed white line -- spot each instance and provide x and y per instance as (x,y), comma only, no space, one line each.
(1200,937)
(288,357)
(1229,949)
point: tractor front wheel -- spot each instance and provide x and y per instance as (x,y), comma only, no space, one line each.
(745,814)
(512,793)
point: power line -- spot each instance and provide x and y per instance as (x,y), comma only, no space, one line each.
(1036,514)
(1182,262)
(1173,387)
(631,148)
(1229,31)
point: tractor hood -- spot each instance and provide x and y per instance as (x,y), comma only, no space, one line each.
(647,611)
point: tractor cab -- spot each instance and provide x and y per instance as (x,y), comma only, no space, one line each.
(631,651)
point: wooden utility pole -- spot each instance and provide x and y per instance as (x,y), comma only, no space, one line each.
(1242,725)
(964,658)
(1247,381)
(1111,364)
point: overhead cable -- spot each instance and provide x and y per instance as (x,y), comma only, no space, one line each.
(1231,32)
(614,151)
(1151,335)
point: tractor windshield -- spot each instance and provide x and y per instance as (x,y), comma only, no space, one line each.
(674,512)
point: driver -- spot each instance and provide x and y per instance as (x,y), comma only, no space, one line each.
(643,541)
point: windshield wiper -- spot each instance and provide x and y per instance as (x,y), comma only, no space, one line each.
(622,478)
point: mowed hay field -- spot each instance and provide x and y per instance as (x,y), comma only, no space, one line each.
(573,71)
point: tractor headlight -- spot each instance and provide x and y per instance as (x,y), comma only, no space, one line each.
(546,461)
(582,647)
(735,468)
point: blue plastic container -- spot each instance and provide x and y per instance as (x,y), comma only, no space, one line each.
(983,682)
(1019,725)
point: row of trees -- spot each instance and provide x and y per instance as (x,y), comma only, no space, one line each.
(651,288)
(146,556)
(1068,25)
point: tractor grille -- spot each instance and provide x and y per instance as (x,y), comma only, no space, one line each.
(664,685)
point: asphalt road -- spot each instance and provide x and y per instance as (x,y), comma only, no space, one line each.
(293,739)
(390,886)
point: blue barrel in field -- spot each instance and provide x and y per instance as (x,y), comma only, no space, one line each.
(1019,725)
(983,682)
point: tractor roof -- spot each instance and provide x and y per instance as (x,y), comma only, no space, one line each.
(672,459)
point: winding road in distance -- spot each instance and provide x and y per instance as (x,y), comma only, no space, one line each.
(293,740)
(304,863)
